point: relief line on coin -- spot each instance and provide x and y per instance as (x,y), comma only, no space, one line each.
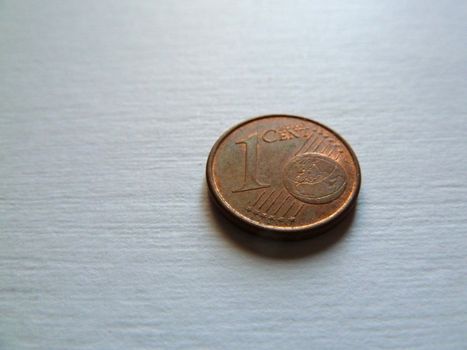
(317,138)
(333,148)
(259,197)
(270,195)
(293,203)
(298,211)
(273,202)
(281,205)
(317,145)
(326,148)
(305,143)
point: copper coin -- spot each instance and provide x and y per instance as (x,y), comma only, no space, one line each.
(283,176)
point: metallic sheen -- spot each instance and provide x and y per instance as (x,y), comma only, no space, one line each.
(283,176)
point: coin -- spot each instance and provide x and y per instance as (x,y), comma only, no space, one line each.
(283,176)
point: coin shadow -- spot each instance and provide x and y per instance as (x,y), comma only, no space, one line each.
(276,249)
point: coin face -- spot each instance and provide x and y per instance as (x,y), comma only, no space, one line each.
(282,176)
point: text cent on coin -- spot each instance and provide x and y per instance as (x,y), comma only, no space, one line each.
(283,176)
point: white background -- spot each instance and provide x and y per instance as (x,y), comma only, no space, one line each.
(108,110)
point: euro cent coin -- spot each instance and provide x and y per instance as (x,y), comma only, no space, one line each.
(283,176)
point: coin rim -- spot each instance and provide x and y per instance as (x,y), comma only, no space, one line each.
(274,231)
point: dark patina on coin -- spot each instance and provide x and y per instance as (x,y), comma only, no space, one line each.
(283,176)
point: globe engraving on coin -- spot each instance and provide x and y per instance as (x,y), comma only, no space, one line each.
(314,178)
(282,176)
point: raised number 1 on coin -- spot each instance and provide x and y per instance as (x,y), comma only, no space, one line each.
(250,182)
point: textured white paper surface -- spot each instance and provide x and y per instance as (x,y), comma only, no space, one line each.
(108,110)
